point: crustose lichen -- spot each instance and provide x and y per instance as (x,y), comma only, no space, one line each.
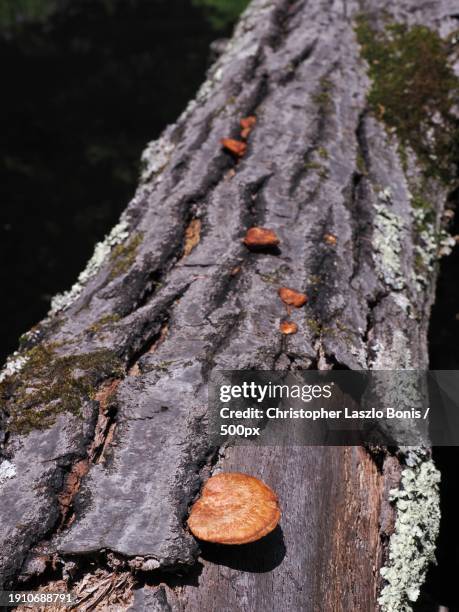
(412,545)
(118,235)
(388,237)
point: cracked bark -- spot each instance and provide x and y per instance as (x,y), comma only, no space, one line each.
(107,489)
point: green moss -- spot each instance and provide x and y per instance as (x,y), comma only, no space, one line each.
(322,170)
(313,165)
(275,277)
(163,366)
(340,329)
(315,279)
(322,152)
(361,164)
(49,384)
(317,328)
(271,279)
(123,255)
(413,87)
(103,322)
(323,97)
(343,328)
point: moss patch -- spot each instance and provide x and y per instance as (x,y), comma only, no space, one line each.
(323,97)
(123,255)
(275,277)
(49,384)
(413,87)
(322,170)
(103,322)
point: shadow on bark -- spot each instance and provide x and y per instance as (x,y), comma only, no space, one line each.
(258,557)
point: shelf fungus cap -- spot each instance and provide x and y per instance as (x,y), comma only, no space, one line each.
(236,147)
(288,327)
(292,297)
(234,508)
(330,239)
(247,124)
(260,237)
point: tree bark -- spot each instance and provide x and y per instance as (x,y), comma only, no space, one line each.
(104,445)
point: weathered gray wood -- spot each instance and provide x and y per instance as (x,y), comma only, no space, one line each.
(110,479)
(330,543)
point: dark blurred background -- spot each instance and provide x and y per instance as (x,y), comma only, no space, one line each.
(441,585)
(85,85)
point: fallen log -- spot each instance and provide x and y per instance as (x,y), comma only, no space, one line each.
(104,406)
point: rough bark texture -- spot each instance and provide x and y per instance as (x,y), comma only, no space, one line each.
(107,482)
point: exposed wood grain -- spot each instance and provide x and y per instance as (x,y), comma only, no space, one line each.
(326,554)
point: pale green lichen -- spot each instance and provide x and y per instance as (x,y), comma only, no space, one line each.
(241,46)
(431,240)
(404,304)
(118,235)
(388,238)
(155,158)
(30,336)
(446,244)
(392,352)
(412,545)
(7,471)
(13,365)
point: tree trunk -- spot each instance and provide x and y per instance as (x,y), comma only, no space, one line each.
(104,445)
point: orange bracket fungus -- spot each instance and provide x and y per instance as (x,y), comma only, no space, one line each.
(288,327)
(260,238)
(290,297)
(247,124)
(234,508)
(330,239)
(236,147)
